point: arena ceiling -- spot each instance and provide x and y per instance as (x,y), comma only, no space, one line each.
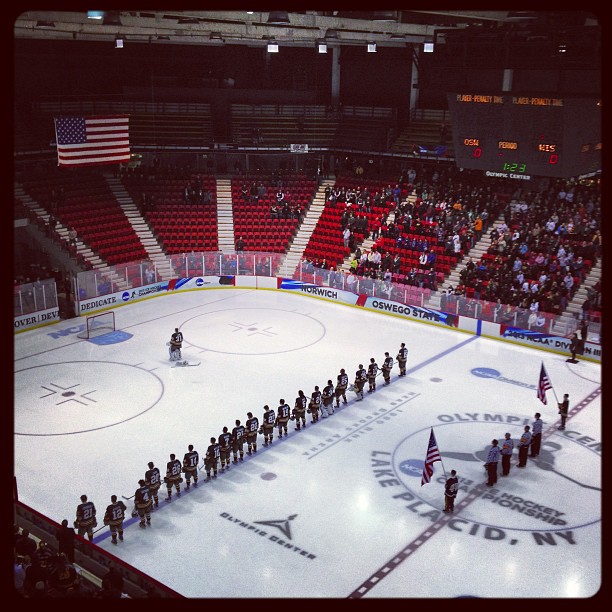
(386,28)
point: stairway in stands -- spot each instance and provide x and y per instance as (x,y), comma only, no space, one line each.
(225,216)
(142,229)
(294,255)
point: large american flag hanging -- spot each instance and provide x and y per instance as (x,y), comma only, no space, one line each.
(92,141)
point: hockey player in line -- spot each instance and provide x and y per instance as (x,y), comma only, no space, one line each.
(372,372)
(299,410)
(85,518)
(176,344)
(173,476)
(113,518)
(402,358)
(143,503)
(225,439)
(267,429)
(360,381)
(238,438)
(153,481)
(282,418)
(190,466)
(341,385)
(252,427)
(327,396)
(386,368)
(211,461)
(315,404)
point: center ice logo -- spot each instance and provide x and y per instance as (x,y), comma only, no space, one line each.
(552,499)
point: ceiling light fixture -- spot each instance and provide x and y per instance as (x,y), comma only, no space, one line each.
(118,43)
(428,47)
(322,46)
(95,14)
(371,47)
(278,18)
(272,46)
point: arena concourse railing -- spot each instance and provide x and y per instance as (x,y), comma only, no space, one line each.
(38,296)
(95,283)
(37,304)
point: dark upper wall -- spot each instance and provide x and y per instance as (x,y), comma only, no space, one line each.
(68,69)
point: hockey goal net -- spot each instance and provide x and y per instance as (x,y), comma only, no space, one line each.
(98,325)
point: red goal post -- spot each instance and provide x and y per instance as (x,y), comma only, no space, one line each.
(98,325)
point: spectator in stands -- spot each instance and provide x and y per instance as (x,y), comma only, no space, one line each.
(261,191)
(346,235)
(253,192)
(568,281)
(280,197)
(150,274)
(397,263)
(431,259)
(240,244)
(37,572)
(65,540)
(19,573)
(244,193)
(16,533)
(386,262)
(64,576)
(72,236)
(112,584)
(577,268)
(25,545)
(596,243)
(351,281)
(206,197)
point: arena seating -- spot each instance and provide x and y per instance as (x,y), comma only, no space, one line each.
(180,226)
(88,206)
(252,217)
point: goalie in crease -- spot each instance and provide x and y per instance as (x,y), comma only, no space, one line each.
(175,345)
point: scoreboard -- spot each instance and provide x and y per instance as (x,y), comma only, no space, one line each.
(523,136)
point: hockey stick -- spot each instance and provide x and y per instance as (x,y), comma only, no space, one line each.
(130,497)
(99,529)
(185,364)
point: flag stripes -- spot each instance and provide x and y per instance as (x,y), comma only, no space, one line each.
(543,385)
(433,455)
(90,141)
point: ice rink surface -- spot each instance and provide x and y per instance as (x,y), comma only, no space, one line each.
(336,510)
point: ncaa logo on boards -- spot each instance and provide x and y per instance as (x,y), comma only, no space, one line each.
(125,296)
(557,494)
(199,282)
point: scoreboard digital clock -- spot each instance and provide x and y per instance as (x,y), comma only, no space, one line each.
(526,135)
